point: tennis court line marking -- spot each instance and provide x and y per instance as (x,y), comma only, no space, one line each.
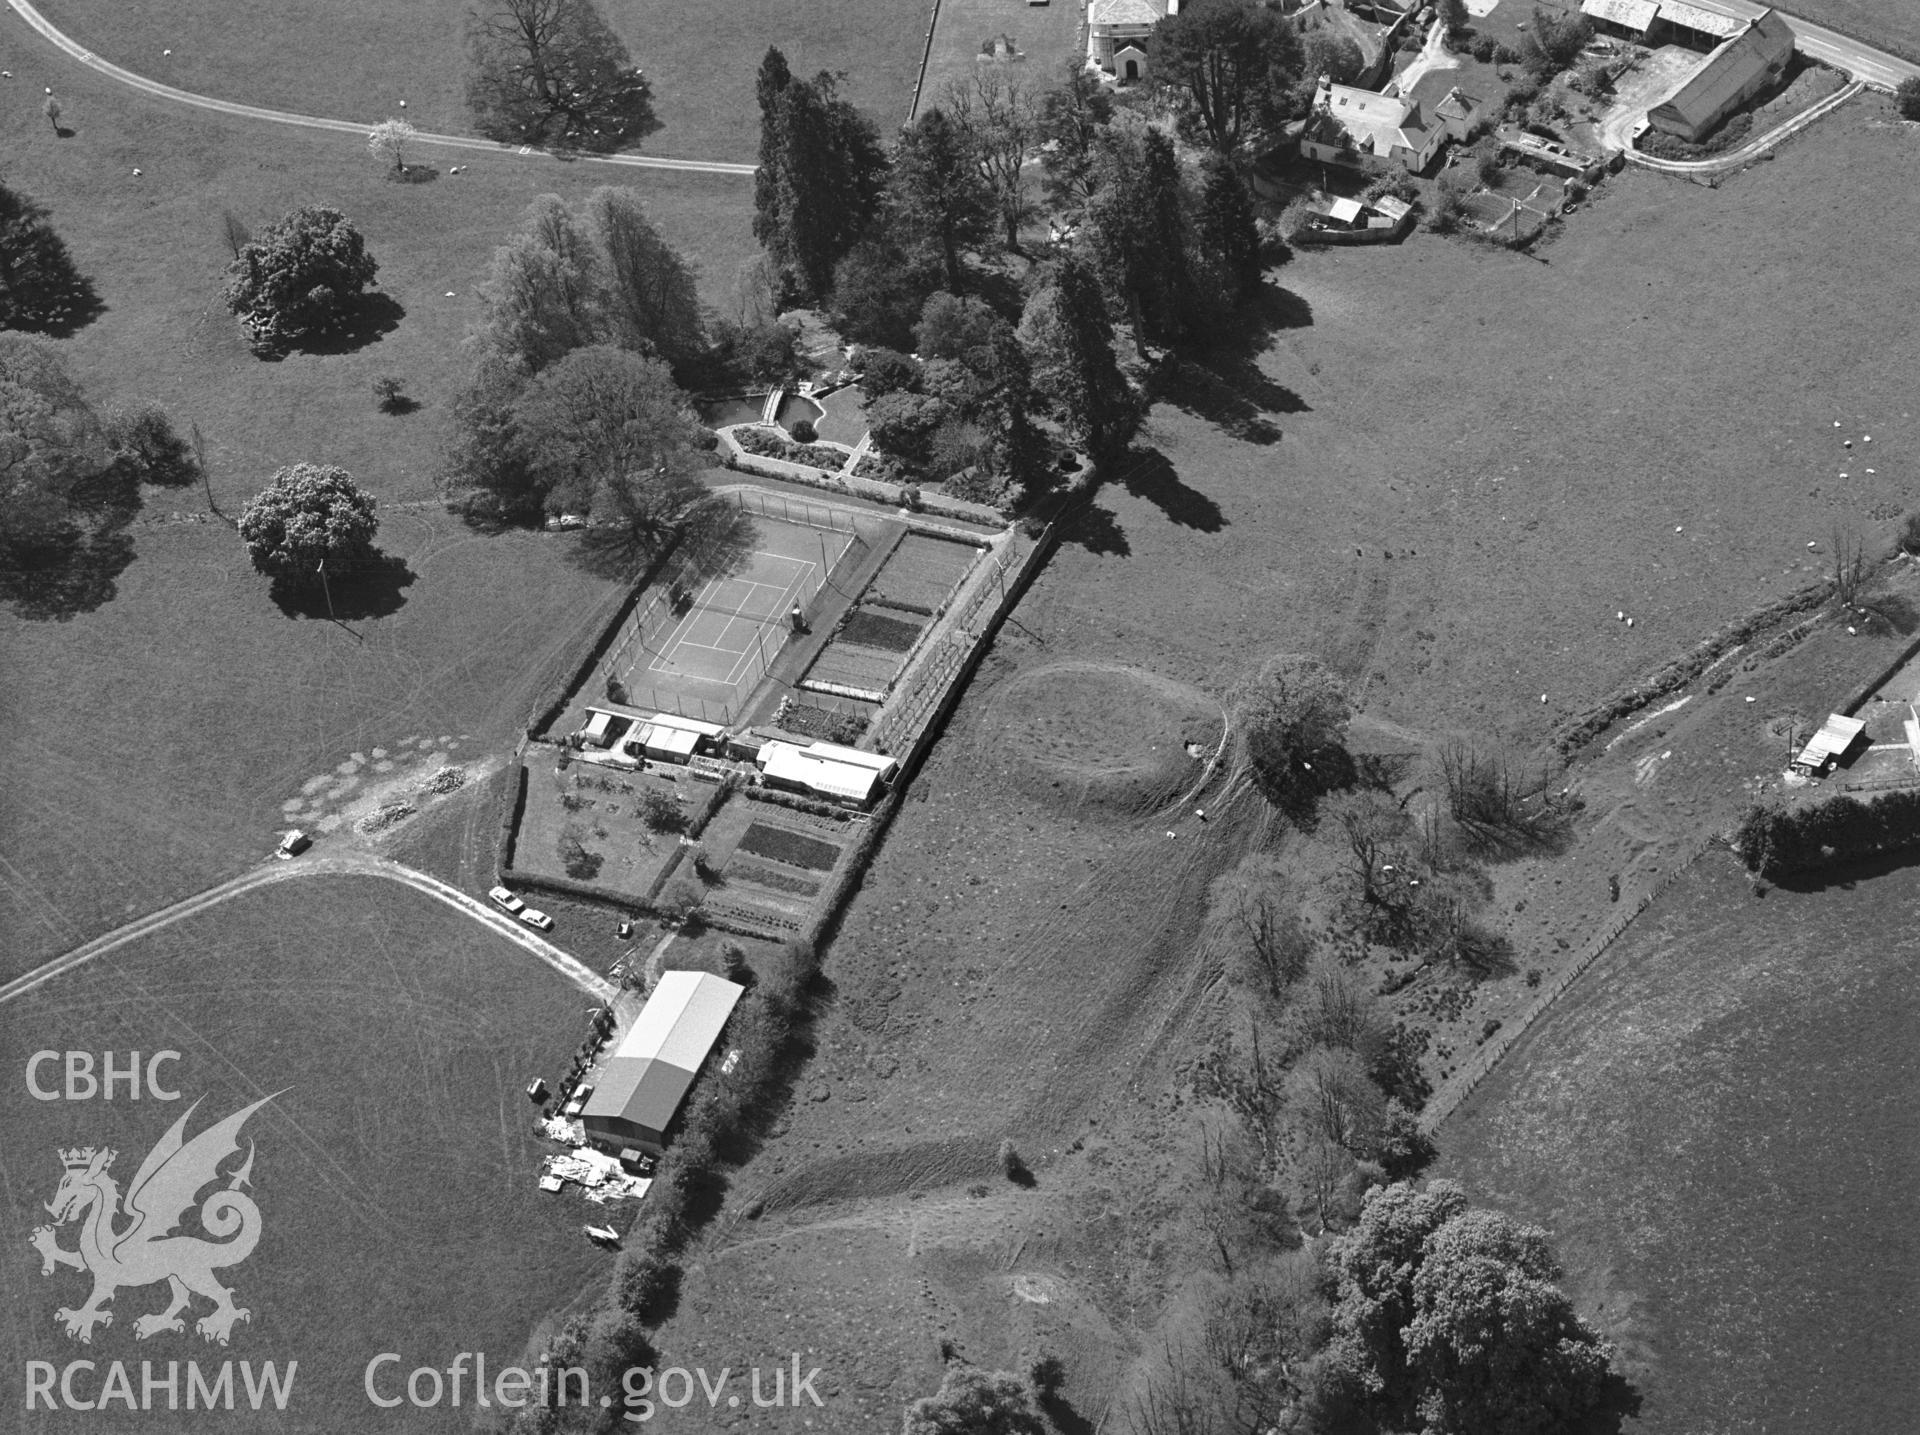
(663,663)
(787,597)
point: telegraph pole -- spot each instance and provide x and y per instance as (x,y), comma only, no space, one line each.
(327,588)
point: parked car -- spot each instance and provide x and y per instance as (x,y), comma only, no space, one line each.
(536,919)
(506,901)
(293,844)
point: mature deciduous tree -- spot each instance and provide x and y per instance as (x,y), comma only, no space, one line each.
(1292,720)
(1330,53)
(1334,1099)
(1907,98)
(304,275)
(1374,826)
(1450,1317)
(545,290)
(996,113)
(972,1401)
(936,196)
(1235,63)
(601,414)
(52,446)
(1553,41)
(1257,916)
(1069,343)
(878,292)
(1494,1346)
(551,71)
(311,523)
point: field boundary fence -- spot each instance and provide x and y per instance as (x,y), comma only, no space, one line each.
(1458,1087)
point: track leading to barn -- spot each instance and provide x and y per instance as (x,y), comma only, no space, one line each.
(270,873)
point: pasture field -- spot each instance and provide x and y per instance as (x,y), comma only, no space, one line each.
(394,1168)
(1476,460)
(155,742)
(1717,1124)
(154,249)
(1892,27)
(354,60)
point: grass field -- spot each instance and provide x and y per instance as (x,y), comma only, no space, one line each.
(1476,459)
(1894,27)
(1718,1126)
(346,59)
(394,1170)
(154,742)
(153,248)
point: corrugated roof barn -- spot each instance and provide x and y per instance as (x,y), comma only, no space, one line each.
(650,1072)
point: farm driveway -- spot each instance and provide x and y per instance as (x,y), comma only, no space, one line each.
(271,872)
(313,122)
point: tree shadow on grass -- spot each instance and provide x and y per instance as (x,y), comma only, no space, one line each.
(370,320)
(57,305)
(1222,382)
(373,590)
(1095,529)
(75,566)
(413,174)
(1147,473)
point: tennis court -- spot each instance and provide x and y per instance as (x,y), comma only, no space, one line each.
(706,660)
(733,619)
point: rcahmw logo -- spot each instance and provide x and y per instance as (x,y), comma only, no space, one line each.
(134,1241)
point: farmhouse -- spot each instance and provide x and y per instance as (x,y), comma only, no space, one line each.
(1735,72)
(643,1083)
(825,769)
(1363,129)
(1117,33)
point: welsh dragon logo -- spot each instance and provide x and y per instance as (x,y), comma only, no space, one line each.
(144,1250)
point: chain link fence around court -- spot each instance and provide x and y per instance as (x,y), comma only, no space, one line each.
(645,633)
(793,510)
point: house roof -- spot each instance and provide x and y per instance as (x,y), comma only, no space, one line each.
(1456,106)
(785,762)
(1344,210)
(655,737)
(1634,14)
(1693,17)
(1394,209)
(684,724)
(1125,12)
(1730,69)
(1378,123)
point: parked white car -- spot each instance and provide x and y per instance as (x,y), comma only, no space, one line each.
(506,901)
(536,919)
